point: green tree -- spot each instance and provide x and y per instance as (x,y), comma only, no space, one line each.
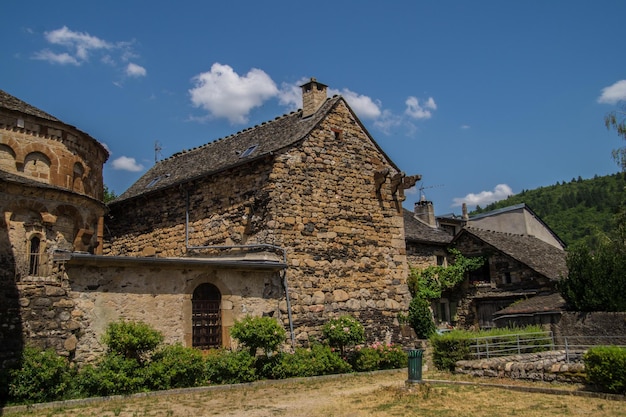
(617,120)
(109,195)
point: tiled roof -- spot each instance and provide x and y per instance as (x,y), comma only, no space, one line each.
(7,101)
(542,257)
(417,231)
(541,303)
(228,152)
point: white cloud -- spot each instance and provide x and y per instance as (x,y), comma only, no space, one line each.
(613,93)
(125,163)
(465,127)
(134,70)
(225,94)
(420,111)
(80,43)
(362,105)
(483,198)
(75,48)
(290,95)
(61,59)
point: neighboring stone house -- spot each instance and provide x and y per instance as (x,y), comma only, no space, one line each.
(51,199)
(299,218)
(523,258)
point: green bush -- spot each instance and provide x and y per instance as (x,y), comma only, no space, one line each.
(175,366)
(131,339)
(259,333)
(450,348)
(43,376)
(421,318)
(378,356)
(113,374)
(606,368)
(318,360)
(229,367)
(343,332)
(454,346)
(364,359)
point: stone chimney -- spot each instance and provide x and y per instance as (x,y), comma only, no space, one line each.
(465,215)
(425,211)
(313,96)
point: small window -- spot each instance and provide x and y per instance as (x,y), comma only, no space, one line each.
(248,151)
(34,256)
(156,179)
(441,260)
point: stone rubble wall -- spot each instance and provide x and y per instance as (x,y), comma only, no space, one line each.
(318,200)
(552,366)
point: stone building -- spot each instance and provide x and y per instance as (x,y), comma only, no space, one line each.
(51,200)
(299,218)
(523,258)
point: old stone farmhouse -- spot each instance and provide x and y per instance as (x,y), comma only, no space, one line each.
(299,218)
(523,259)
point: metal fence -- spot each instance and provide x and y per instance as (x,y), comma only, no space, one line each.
(510,344)
(515,344)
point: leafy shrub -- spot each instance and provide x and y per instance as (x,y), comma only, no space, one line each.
(450,348)
(175,366)
(318,360)
(259,333)
(114,374)
(364,359)
(606,368)
(43,376)
(229,367)
(421,318)
(378,356)
(131,339)
(343,332)
(454,346)
(392,357)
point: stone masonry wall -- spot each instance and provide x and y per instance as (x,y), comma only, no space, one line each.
(345,241)
(71,159)
(318,200)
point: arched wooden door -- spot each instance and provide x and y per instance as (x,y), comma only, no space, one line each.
(206,317)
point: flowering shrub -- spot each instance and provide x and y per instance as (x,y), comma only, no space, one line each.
(259,333)
(377,356)
(343,332)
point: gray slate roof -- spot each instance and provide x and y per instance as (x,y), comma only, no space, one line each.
(10,102)
(417,231)
(226,153)
(542,257)
(541,303)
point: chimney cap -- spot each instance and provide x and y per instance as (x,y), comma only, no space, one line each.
(312,81)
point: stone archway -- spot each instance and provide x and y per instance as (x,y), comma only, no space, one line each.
(206,317)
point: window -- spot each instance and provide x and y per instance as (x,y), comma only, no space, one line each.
(248,151)
(157,179)
(481,274)
(441,260)
(34,256)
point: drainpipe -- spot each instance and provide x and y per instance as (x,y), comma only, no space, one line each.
(257,246)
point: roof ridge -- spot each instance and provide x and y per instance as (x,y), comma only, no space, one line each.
(220,139)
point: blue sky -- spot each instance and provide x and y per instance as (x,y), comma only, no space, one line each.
(483,99)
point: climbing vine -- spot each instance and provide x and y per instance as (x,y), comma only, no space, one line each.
(430,282)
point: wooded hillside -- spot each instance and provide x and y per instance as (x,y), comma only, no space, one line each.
(577,210)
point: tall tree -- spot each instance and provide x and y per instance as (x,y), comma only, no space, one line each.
(617,120)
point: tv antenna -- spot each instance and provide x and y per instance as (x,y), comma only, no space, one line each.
(157,151)
(422,188)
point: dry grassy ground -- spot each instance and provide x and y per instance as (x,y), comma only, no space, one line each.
(383,394)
